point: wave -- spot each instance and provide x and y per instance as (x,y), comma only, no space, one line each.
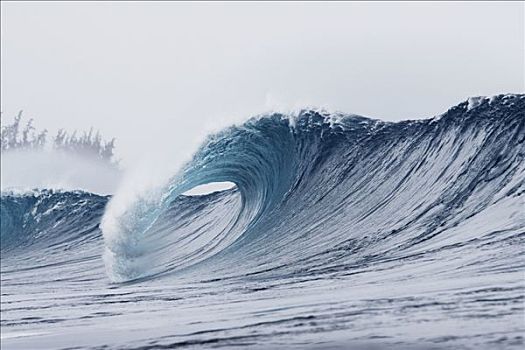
(339,231)
(49,219)
(318,192)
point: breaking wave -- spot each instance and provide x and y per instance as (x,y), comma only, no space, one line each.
(340,231)
(318,192)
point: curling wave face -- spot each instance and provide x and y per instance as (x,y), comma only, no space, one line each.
(339,229)
(317,188)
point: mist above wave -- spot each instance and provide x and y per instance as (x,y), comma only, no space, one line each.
(69,161)
(51,169)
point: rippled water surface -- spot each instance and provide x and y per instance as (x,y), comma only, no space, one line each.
(341,233)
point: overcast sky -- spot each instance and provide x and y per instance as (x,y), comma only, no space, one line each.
(163,72)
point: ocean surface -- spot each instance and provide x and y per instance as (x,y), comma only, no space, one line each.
(341,232)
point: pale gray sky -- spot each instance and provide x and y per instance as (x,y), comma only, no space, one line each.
(147,72)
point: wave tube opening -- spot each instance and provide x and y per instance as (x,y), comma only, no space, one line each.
(209,188)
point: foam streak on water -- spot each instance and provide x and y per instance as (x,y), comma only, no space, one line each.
(341,232)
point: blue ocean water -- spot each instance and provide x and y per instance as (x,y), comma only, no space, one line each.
(341,232)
